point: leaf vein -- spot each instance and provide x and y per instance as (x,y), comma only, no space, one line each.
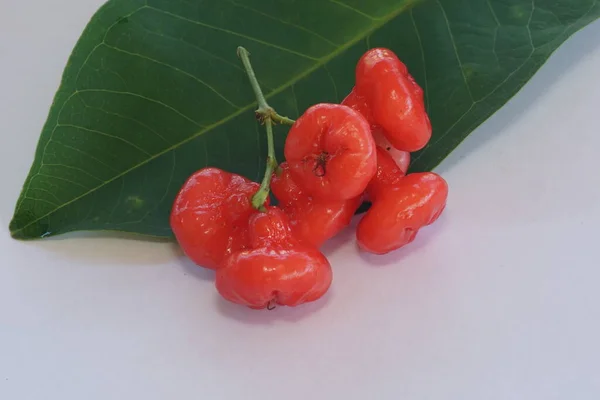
(426,88)
(73,168)
(120,92)
(48,192)
(453,41)
(344,5)
(323,38)
(87,155)
(121,190)
(61,179)
(108,30)
(176,69)
(493,12)
(42,200)
(111,136)
(233,33)
(335,89)
(150,129)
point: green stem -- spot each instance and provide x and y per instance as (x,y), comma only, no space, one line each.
(280,119)
(260,98)
(268,116)
(264,110)
(259,198)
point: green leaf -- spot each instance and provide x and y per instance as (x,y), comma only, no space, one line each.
(154,91)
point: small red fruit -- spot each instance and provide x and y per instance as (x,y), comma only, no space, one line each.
(312,221)
(388,96)
(401,205)
(331,152)
(210,215)
(278,269)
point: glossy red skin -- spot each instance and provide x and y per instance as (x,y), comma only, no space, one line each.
(331,152)
(401,205)
(401,158)
(312,221)
(394,99)
(210,215)
(388,174)
(278,269)
(358,103)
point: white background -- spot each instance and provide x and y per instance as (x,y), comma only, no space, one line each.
(499,300)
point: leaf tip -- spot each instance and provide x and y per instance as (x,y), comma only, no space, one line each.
(21,227)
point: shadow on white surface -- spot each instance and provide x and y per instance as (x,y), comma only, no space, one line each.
(394,258)
(100,248)
(188,266)
(267,317)
(84,235)
(346,236)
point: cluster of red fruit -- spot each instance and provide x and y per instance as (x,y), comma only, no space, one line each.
(337,156)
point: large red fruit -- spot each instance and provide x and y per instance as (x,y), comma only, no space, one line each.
(210,215)
(278,269)
(331,152)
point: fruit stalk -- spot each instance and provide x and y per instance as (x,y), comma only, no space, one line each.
(267,116)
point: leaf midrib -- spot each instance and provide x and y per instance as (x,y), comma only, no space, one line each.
(320,63)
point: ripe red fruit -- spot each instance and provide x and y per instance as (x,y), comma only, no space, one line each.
(210,215)
(312,221)
(331,152)
(388,96)
(401,205)
(278,269)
